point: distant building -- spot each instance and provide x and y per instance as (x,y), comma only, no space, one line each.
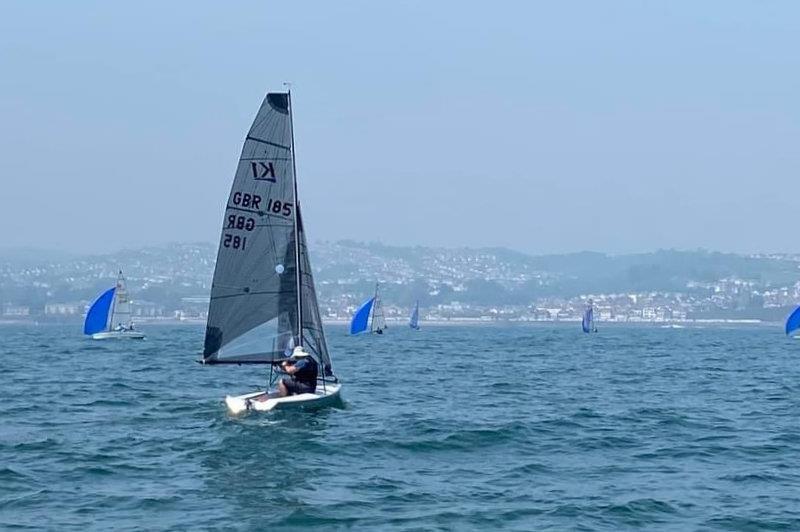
(147,309)
(196,300)
(15,311)
(541,314)
(193,308)
(75,308)
(678,315)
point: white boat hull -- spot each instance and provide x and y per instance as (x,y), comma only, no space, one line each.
(264,402)
(111,335)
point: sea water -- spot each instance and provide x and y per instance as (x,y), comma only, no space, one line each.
(470,428)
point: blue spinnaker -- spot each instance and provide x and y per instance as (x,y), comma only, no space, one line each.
(414,322)
(586,324)
(360,321)
(97,317)
(793,321)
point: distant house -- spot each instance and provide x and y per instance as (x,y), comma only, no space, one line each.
(605,313)
(15,311)
(64,309)
(147,309)
(195,307)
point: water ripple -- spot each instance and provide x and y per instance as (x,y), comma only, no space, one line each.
(467,428)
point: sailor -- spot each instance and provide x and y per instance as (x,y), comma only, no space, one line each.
(302,371)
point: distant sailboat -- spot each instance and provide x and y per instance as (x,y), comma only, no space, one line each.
(793,322)
(263,303)
(414,321)
(587,323)
(110,315)
(369,316)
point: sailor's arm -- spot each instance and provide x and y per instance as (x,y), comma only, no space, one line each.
(288,366)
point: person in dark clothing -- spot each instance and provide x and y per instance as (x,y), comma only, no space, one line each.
(302,370)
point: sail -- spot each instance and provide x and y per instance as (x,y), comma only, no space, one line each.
(313,335)
(121,311)
(97,317)
(414,321)
(588,320)
(252,315)
(793,321)
(360,321)
(378,319)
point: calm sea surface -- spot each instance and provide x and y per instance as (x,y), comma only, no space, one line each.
(469,428)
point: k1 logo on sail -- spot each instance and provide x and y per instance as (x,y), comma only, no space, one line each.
(263,171)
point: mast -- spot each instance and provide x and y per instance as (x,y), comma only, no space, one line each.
(296,229)
(374,309)
(121,288)
(113,310)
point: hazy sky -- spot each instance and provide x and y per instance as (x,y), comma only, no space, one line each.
(542,126)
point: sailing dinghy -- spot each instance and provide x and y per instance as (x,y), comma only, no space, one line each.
(587,323)
(414,321)
(369,316)
(263,303)
(109,317)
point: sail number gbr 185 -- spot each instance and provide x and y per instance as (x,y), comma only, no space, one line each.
(238,222)
(255,202)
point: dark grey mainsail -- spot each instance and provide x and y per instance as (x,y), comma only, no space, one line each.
(252,316)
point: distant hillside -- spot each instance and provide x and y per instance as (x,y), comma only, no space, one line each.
(663,270)
(347,271)
(499,275)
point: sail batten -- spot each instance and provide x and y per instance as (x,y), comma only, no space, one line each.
(276,145)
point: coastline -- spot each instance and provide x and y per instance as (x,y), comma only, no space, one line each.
(471,322)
